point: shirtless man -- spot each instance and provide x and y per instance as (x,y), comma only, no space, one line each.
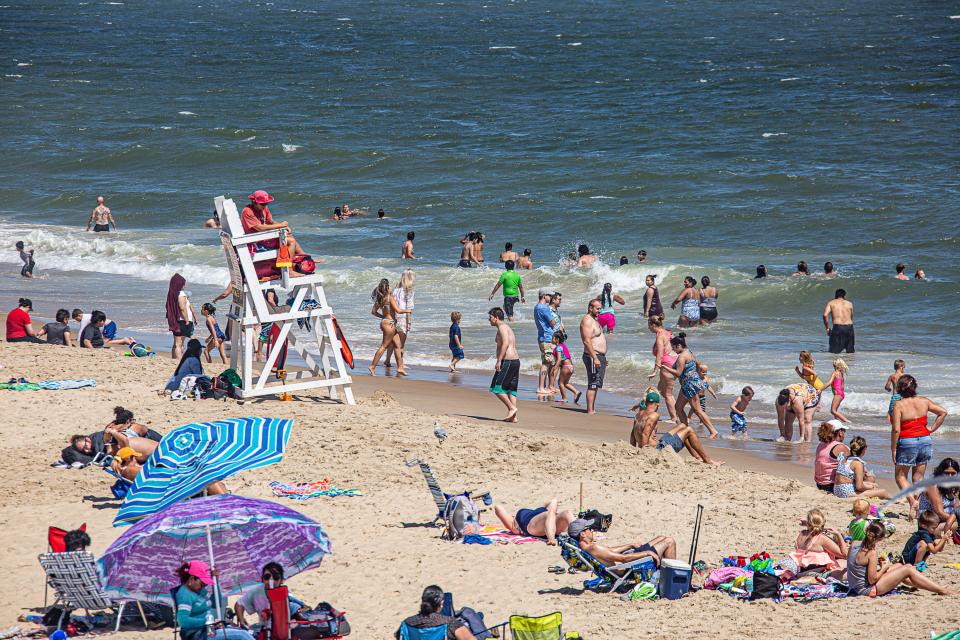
(594,352)
(645,423)
(542,522)
(467,252)
(508,254)
(478,248)
(407,251)
(900,272)
(684,436)
(101,218)
(660,548)
(524,261)
(841,334)
(506,378)
(584,257)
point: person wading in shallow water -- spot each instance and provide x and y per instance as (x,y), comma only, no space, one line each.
(840,310)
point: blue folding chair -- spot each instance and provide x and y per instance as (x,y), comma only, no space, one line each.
(423,633)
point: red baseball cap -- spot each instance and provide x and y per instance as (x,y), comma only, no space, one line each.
(261,197)
(200,570)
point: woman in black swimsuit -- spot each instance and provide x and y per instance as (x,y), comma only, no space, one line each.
(542,522)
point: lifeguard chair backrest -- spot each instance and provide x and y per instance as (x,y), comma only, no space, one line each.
(239,256)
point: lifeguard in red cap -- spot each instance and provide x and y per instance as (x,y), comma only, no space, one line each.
(256,217)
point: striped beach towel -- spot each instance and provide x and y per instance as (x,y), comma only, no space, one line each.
(308,490)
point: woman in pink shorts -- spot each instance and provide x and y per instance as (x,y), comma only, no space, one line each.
(608,317)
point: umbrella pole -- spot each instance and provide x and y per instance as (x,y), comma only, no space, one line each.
(216,582)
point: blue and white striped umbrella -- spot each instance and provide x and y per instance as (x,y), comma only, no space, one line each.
(195,455)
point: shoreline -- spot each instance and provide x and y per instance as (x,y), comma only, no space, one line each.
(426,390)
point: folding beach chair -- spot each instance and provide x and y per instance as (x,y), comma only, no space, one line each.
(73,577)
(612,578)
(440,497)
(279,627)
(56,543)
(548,627)
(423,633)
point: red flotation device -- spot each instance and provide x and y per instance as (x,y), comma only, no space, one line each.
(344,347)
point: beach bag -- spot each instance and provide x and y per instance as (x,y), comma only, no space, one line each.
(233,377)
(304,264)
(223,386)
(323,621)
(458,511)
(765,585)
(602,521)
(203,387)
(474,621)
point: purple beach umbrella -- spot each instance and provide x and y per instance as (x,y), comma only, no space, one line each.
(236,535)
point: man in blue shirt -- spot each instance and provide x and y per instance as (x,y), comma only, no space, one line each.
(546,324)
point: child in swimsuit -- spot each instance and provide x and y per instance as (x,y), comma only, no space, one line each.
(899,366)
(216,338)
(27,257)
(738,421)
(808,373)
(702,370)
(835,382)
(562,357)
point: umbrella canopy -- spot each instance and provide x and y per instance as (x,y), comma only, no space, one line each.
(195,455)
(245,534)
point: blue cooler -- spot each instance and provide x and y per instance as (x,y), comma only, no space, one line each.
(674,579)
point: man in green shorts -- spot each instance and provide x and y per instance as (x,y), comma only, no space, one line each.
(512,289)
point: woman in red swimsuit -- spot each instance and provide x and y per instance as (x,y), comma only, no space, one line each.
(910,442)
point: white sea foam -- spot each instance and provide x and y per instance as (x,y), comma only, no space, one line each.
(790,79)
(774,135)
(290,148)
(344,19)
(498,48)
(13,75)
(250,139)
(602,198)
(186,113)
(574,44)
(24,64)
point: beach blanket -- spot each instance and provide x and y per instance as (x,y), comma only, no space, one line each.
(499,535)
(308,490)
(48,385)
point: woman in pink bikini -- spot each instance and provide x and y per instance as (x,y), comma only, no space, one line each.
(666,358)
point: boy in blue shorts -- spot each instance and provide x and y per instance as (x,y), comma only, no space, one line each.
(456,346)
(737,418)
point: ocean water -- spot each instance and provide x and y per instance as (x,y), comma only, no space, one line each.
(716,136)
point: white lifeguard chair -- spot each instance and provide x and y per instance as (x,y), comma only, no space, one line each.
(249,308)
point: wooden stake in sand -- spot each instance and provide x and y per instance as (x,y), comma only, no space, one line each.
(581,497)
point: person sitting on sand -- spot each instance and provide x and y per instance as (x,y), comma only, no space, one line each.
(831,447)
(645,422)
(817,546)
(92,335)
(541,522)
(76,540)
(255,599)
(189,365)
(853,477)
(928,539)
(658,549)
(431,602)
(866,577)
(58,332)
(943,501)
(684,436)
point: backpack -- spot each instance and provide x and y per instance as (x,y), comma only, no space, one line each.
(474,621)
(304,264)
(223,387)
(203,387)
(232,377)
(458,511)
(602,521)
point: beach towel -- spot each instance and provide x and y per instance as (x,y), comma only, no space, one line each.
(499,535)
(48,385)
(308,490)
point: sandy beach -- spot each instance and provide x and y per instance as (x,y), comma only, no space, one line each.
(384,555)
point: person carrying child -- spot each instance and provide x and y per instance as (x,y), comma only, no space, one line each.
(926,540)
(738,419)
(561,356)
(456,345)
(835,382)
(216,337)
(702,399)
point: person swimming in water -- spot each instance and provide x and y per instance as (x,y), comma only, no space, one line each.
(584,257)
(761,272)
(708,301)
(101,218)
(690,307)
(900,272)
(802,269)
